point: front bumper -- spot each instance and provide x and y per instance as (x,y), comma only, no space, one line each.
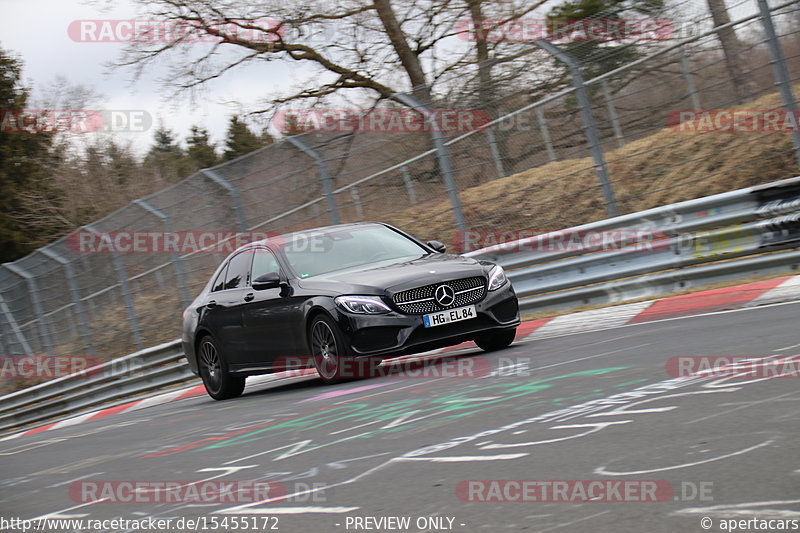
(395,333)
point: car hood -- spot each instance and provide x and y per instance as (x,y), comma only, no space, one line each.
(382,278)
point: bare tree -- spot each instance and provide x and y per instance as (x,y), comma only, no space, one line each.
(374,47)
(362,51)
(731,49)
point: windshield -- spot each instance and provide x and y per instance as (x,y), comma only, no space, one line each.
(312,254)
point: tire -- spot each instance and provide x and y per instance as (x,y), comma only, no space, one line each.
(219,383)
(329,352)
(496,339)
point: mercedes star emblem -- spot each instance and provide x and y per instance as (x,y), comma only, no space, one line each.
(445,295)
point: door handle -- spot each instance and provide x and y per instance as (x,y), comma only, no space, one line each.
(211,303)
(249,297)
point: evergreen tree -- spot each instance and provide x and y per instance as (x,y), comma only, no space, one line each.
(241,140)
(199,148)
(165,159)
(24,157)
(603,50)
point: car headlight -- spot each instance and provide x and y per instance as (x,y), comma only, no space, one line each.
(497,278)
(362,305)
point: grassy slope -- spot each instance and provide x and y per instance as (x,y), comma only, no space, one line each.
(662,168)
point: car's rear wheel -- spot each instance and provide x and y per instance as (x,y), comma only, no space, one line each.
(219,383)
(328,349)
(496,339)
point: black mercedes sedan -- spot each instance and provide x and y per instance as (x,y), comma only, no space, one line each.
(327,296)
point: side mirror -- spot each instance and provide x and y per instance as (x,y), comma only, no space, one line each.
(438,246)
(267,281)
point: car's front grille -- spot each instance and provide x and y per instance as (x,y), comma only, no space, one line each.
(420,300)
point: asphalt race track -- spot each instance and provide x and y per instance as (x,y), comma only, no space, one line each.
(349,456)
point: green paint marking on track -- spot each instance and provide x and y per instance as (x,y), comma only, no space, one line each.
(418,411)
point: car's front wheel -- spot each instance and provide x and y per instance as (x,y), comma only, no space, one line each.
(328,349)
(496,339)
(219,383)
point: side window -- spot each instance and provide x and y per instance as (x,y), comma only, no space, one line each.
(264,262)
(219,283)
(238,270)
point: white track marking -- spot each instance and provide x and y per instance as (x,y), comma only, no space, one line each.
(746,509)
(74,420)
(608,317)
(384,391)
(466,458)
(73,480)
(155,400)
(595,429)
(60,514)
(565,524)
(786,348)
(239,509)
(749,404)
(602,354)
(601,470)
(788,289)
(298,510)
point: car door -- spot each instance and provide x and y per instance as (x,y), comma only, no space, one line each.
(271,316)
(224,307)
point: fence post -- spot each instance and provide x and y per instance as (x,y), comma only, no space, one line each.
(44,326)
(122,278)
(357,203)
(441,153)
(612,114)
(76,296)
(232,191)
(412,196)
(14,327)
(548,144)
(589,126)
(177,262)
(73,331)
(781,73)
(498,161)
(324,176)
(687,75)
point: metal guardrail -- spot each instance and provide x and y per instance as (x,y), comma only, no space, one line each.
(661,283)
(685,241)
(707,240)
(142,371)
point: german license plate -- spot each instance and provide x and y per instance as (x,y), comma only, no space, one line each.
(451,315)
